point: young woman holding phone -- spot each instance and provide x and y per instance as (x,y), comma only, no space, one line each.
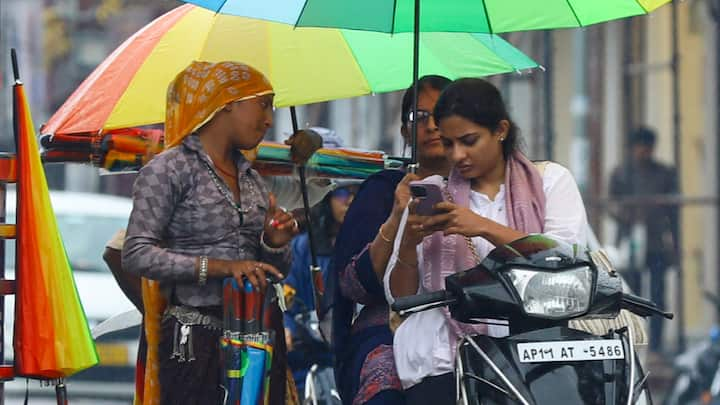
(494,195)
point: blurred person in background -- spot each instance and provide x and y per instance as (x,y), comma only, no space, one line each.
(655,224)
(309,337)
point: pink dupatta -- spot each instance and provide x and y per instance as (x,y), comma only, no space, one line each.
(443,256)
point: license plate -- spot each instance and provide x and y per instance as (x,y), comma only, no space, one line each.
(571,350)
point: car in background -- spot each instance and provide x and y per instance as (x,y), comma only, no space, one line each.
(86,222)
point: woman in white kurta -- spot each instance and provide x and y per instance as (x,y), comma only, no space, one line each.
(497,196)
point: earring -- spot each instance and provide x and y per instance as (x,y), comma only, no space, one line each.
(502,139)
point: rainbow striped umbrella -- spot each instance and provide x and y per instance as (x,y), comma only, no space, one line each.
(305,65)
(52,339)
(395,16)
(402,16)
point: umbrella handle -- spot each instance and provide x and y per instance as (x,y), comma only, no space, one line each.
(319,286)
(16,70)
(61,393)
(316,275)
(416,85)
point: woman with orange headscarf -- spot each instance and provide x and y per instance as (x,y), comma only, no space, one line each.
(201,214)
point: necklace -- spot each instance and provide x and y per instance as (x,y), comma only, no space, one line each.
(468,240)
(226,193)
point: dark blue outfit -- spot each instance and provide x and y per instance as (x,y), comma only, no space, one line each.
(365,368)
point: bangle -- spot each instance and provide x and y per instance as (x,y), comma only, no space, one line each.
(269,248)
(382,235)
(203,272)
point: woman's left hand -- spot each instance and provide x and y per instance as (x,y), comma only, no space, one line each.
(454,219)
(280,225)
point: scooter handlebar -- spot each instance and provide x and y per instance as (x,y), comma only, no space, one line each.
(422,302)
(643,307)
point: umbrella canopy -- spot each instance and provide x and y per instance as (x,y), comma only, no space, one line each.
(399,16)
(305,65)
(394,16)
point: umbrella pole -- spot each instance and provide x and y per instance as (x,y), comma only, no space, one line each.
(3,212)
(413,167)
(61,393)
(318,288)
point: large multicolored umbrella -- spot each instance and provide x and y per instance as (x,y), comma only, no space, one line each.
(400,16)
(305,65)
(396,16)
(52,339)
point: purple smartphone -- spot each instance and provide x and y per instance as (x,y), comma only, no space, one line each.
(428,195)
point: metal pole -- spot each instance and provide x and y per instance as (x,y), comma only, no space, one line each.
(633,277)
(416,88)
(3,213)
(61,393)
(548,53)
(650,200)
(677,152)
(315,272)
(579,143)
(595,71)
(715,13)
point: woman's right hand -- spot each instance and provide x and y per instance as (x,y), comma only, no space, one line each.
(414,230)
(403,195)
(256,272)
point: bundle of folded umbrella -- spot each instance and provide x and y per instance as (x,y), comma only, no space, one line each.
(274,159)
(115,151)
(129,149)
(247,343)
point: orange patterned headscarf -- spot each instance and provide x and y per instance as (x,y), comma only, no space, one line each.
(203,88)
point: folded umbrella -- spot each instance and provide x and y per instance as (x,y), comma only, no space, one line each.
(246,344)
(129,149)
(52,339)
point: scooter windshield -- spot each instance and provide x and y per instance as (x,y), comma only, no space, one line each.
(538,251)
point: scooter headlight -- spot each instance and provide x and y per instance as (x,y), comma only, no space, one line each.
(554,295)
